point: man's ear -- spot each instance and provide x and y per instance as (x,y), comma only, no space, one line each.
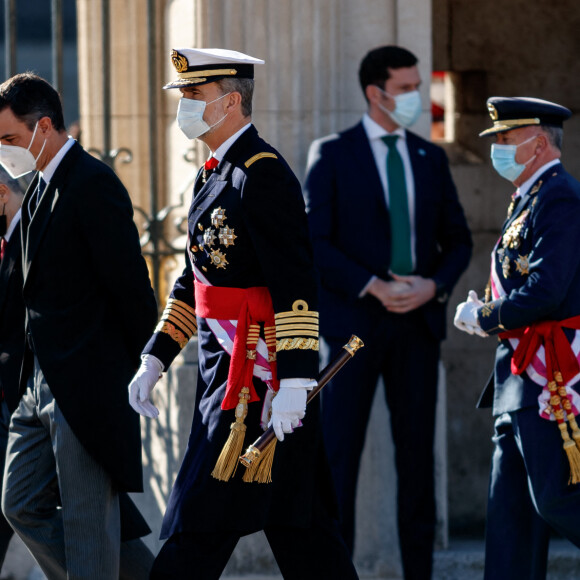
(45,126)
(234,99)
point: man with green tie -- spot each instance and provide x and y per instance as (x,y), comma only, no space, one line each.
(390,241)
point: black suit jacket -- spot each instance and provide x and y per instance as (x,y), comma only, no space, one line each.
(11,320)
(350,228)
(89,307)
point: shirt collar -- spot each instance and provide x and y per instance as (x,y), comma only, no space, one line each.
(375,131)
(13,225)
(47,173)
(221,151)
(526,185)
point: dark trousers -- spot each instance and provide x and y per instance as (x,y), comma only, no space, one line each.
(301,553)
(528,495)
(406,355)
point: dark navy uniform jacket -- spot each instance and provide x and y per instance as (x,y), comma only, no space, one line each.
(537,263)
(247,227)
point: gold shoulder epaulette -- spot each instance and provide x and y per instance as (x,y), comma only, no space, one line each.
(297,328)
(259,156)
(178,321)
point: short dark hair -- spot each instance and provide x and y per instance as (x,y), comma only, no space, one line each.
(239,85)
(374,68)
(30,98)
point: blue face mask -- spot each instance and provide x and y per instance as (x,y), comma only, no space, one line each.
(503,158)
(407,108)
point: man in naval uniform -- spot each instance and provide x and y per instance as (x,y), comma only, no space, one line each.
(249,292)
(532,303)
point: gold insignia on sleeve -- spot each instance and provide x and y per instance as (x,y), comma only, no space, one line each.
(178,321)
(486,309)
(227,236)
(255,158)
(293,328)
(218,217)
(218,259)
(179,61)
(209,237)
(523,265)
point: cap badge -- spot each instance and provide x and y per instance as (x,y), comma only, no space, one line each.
(179,61)
(492,112)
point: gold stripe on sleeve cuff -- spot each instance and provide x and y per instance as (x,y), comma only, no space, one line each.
(174,333)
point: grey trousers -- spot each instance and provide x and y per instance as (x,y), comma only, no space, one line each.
(57,498)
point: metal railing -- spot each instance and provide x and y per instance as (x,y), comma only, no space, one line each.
(155,221)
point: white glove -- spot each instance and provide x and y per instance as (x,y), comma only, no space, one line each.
(289,405)
(466,315)
(142,384)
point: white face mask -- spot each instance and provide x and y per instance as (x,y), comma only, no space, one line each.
(19,161)
(190,117)
(407,108)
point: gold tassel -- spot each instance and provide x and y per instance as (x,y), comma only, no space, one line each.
(573,454)
(227,462)
(261,468)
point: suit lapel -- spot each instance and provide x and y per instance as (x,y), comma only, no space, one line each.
(364,161)
(33,230)
(220,179)
(39,223)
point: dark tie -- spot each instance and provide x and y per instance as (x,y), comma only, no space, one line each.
(401,258)
(35,198)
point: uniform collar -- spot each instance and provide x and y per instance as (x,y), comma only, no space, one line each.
(221,151)
(526,185)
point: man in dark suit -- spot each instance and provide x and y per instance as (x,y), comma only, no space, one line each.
(11,320)
(249,291)
(532,303)
(390,242)
(74,443)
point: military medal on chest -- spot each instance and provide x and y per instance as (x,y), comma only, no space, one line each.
(523,265)
(512,237)
(218,217)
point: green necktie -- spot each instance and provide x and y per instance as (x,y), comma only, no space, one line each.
(401,258)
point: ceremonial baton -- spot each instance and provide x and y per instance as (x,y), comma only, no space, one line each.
(254,451)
